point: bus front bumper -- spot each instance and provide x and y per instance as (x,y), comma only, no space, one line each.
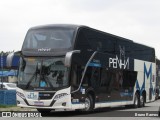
(60,100)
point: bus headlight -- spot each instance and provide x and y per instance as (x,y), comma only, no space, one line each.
(20,95)
(59,96)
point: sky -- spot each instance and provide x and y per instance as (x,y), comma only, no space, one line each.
(137,20)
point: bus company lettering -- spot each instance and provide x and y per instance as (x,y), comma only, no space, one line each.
(44,49)
(119,63)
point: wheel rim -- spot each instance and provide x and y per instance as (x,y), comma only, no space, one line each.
(136,101)
(87,104)
(142,101)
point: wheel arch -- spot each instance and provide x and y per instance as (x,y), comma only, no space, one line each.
(92,93)
(144,94)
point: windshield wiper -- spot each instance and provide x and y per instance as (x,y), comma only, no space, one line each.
(31,79)
(34,75)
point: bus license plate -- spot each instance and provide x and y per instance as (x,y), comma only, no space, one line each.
(39,103)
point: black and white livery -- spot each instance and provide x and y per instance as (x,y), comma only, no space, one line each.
(77,67)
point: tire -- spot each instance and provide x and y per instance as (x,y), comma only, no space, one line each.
(157,96)
(44,110)
(136,101)
(142,101)
(89,104)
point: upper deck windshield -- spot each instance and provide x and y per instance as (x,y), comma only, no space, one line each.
(48,40)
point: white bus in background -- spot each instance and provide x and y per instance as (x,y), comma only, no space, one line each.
(79,68)
(157,78)
(7,86)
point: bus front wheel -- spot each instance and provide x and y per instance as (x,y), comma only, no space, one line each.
(89,105)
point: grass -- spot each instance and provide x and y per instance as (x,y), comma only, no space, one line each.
(7,106)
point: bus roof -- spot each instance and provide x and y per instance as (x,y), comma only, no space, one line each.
(80,27)
(57,25)
(76,27)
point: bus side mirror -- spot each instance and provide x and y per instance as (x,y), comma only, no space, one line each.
(68,57)
(10,58)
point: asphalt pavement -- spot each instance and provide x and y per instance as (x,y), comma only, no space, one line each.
(149,112)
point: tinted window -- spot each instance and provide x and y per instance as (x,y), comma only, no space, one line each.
(51,38)
(95,40)
(129,79)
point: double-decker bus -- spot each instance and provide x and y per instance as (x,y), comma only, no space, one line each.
(80,68)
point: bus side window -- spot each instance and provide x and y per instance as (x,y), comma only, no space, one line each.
(111,80)
(95,78)
(106,81)
(118,80)
(76,75)
(87,78)
(130,78)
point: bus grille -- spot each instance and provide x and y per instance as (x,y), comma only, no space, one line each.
(45,96)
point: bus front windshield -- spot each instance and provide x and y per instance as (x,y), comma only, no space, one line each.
(42,74)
